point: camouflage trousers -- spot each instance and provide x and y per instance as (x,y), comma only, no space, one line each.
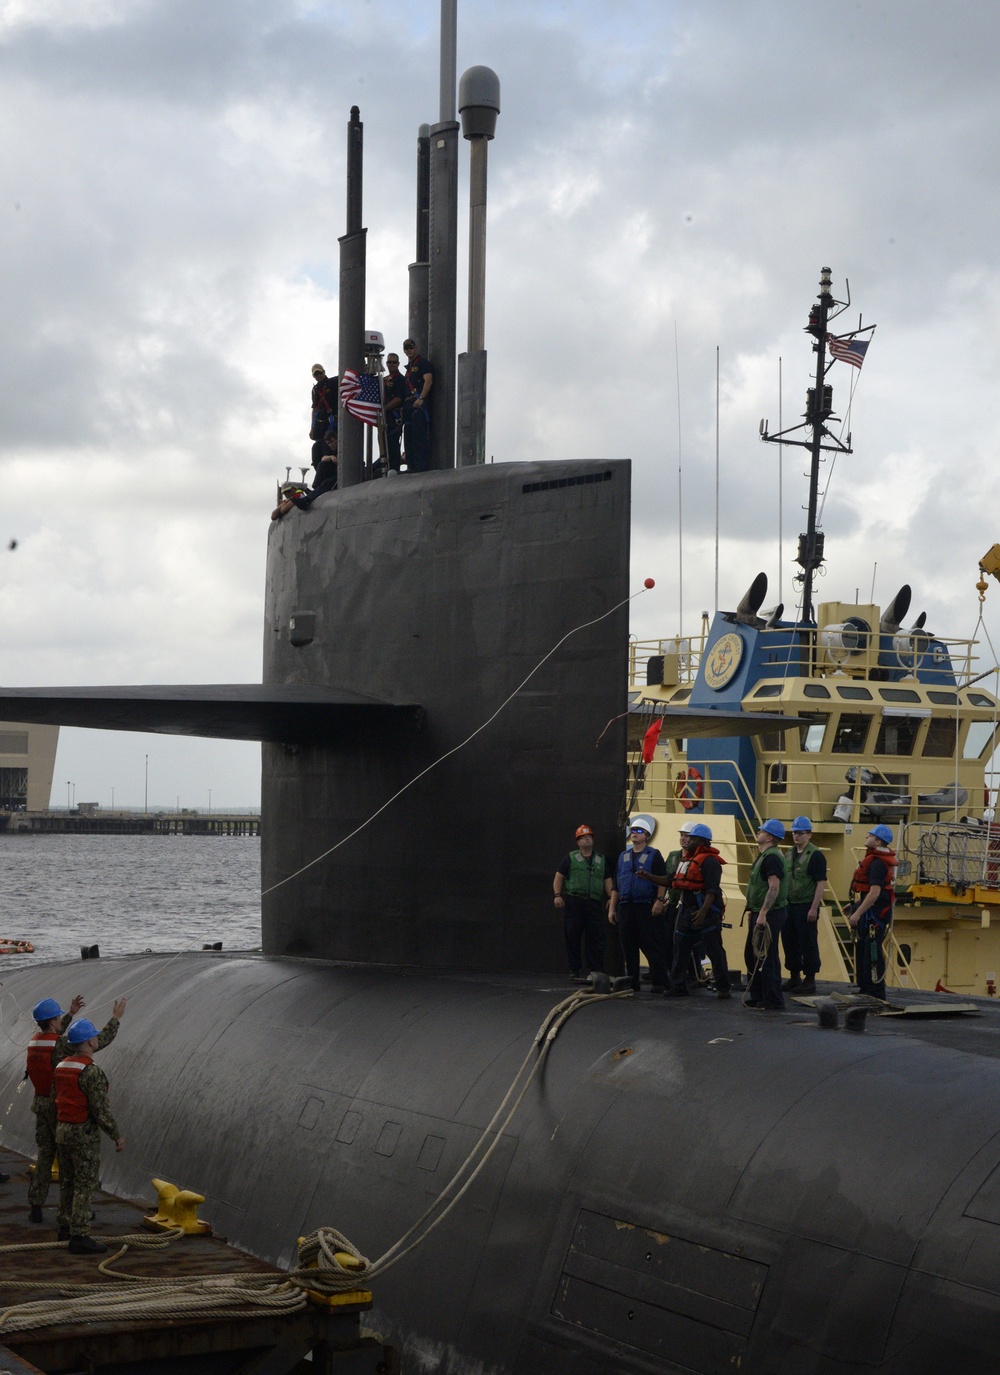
(45,1145)
(79,1145)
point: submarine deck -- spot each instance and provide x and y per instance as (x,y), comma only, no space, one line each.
(264,1343)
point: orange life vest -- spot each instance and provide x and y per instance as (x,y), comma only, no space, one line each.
(40,1067)
(861,883)
(71,1101)
(688,873)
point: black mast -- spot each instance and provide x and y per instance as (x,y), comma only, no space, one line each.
(819,409)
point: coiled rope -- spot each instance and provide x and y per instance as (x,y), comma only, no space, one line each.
(760,944)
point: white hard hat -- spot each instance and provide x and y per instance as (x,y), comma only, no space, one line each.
(646,822)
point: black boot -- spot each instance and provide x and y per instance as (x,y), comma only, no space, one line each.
(808,986)
(793,982)
(63,1234)
(36,1213)
(86,1246)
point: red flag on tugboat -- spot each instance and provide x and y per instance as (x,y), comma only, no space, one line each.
(649,741)
(848,350)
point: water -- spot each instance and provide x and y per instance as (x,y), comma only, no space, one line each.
(127,894)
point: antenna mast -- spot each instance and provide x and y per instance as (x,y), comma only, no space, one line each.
(819,409)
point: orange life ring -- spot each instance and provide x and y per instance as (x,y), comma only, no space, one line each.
(8,947)
(689,788)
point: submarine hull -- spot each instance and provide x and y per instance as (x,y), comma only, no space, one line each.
(685,1187)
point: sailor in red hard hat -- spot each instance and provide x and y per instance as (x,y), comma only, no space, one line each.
(581,888)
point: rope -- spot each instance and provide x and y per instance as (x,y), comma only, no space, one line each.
(760,944)
(455,748)
(552,1024)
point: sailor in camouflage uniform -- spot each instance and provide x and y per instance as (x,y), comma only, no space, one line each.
(52,1023)
(83,1112)
(51,1041)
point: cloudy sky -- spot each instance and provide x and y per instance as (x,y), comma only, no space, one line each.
(667,180)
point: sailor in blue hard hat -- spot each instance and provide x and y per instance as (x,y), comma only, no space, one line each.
(698,879)
(767,904)
(42,1060)
(669,894)
(806,884)
(873,896)
(83,1112)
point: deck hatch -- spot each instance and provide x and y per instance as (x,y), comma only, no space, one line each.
(660,1294)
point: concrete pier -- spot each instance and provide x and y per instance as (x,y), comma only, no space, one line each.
(130,823)
(258,1340)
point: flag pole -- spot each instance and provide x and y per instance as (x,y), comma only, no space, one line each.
(680,495)
(717,477)
(781,501)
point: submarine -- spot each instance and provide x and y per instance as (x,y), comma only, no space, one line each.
(678,1188)
(547,1185)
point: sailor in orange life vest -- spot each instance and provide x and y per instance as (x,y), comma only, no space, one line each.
(871,918)
(84,1112)
(52,1022)
(699,879)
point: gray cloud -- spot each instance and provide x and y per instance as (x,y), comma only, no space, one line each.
(171,191)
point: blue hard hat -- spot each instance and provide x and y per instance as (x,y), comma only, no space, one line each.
(46,1010)
(774,828)
(701,830)
(882,833)
(81,1031)
(802,823)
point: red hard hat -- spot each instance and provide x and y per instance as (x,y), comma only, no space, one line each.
(583,831)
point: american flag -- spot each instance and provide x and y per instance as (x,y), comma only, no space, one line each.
(360,396)
(849,350)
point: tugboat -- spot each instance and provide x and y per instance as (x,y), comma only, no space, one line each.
(893,726)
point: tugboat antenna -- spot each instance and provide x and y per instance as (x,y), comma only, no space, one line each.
(819,409)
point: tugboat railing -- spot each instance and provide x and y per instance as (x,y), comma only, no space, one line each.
(682,655)
(958,856)
(726,784)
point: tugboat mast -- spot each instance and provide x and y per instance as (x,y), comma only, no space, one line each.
(819,409)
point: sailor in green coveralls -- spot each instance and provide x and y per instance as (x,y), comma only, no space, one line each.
(767,906)
(581,887)
(806,884)
(83,1112)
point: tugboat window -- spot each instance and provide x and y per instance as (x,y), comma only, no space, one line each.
(857,694)
(977,699)
(979,739)
(899,695)
(897,734)
(811,736)
(769,690)
(815,690)
(943,699)
(852,732)
(942,738)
